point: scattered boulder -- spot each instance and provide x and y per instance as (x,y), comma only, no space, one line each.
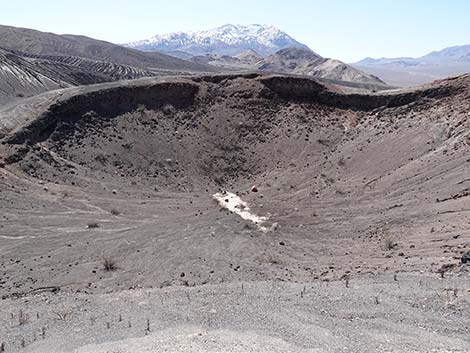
(254,188)
(465,259)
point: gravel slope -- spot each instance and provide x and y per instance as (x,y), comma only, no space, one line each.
(354,190)
(414,313)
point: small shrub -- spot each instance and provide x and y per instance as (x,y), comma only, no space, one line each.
(23,319)
(109,264)
(148,325)
(101,158)
(301,118)
(89,115)
(389,244)
(249,226)
(92,225)
(61,315)
(168,109)
(141,108)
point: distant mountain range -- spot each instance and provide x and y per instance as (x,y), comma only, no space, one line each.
(23,75)
(407,71)
(302,61)
(460,53)
(32,62)
(225,40)
(296,61)
(254,47)
(42,43)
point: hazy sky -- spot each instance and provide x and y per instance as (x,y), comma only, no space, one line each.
(348,30)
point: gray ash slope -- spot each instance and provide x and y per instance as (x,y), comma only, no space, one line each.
(350,184)
(19,77)
(34,62)
(43,43)
(25,75)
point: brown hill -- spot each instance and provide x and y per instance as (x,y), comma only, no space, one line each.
(43,43)
(300,61)
(24,75)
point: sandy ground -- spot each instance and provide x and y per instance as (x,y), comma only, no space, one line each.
(408,313)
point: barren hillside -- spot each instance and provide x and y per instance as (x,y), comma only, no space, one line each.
(323,186)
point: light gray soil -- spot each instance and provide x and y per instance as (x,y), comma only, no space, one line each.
(414,313)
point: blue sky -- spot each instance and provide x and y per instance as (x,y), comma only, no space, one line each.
(341,29)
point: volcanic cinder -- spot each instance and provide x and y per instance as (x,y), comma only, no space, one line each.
(354,189)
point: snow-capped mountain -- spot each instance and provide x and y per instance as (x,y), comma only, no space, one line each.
(227,40)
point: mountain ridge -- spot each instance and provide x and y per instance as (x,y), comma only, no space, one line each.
(407,71)
(227,39)
(46,43)
(296,61)
(24,75)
